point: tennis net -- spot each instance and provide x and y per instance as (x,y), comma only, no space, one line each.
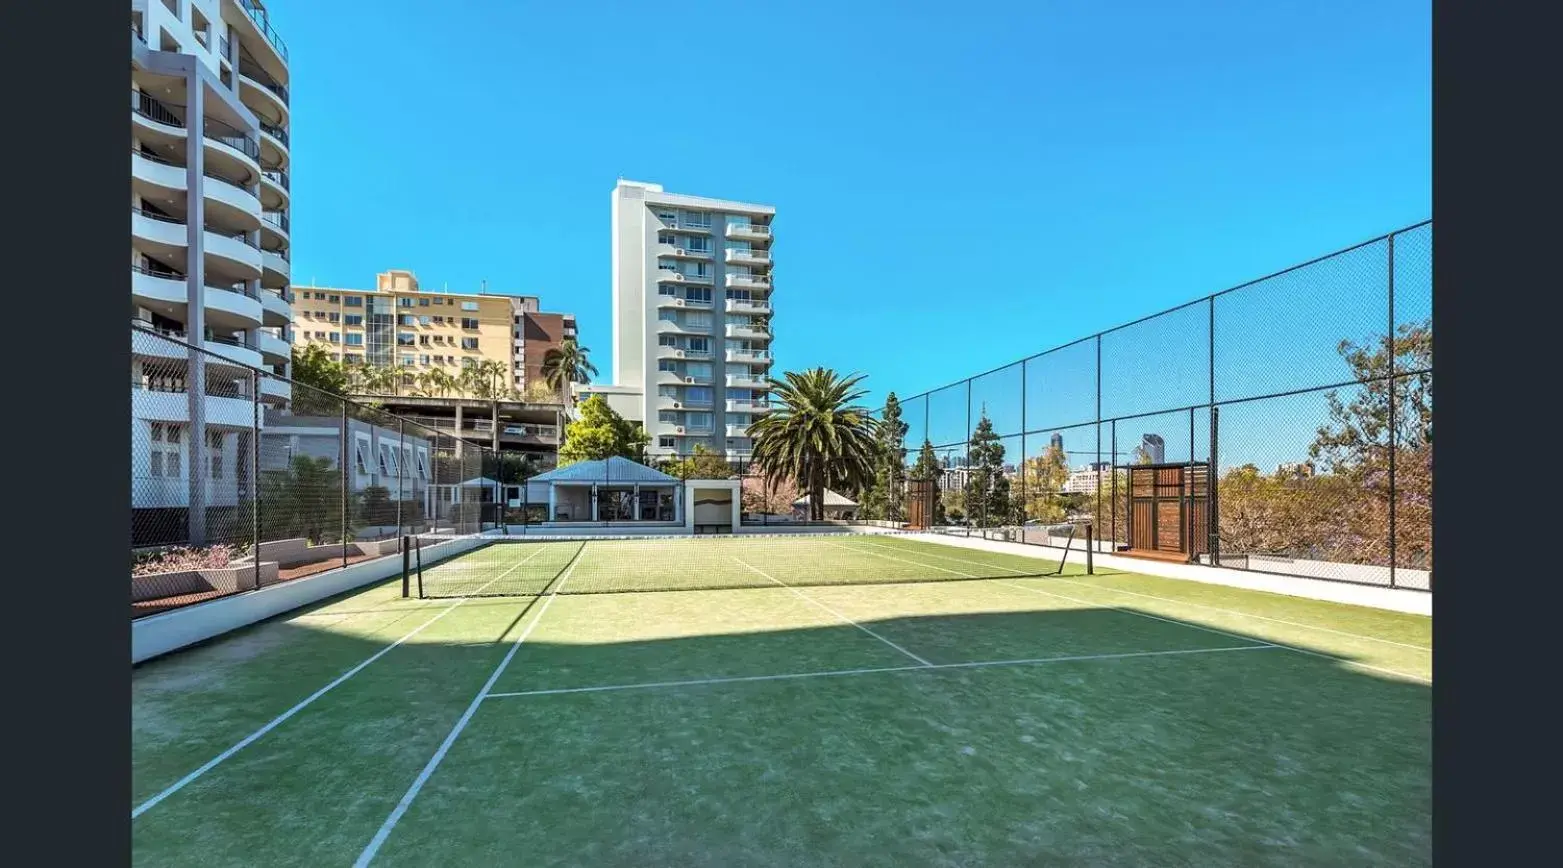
(531,566)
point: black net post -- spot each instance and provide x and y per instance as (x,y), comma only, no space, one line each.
(401,469)
(406,567)
(255,433)
(1113,485)
(1090,549)
(418,554)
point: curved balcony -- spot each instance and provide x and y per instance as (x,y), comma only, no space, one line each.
(752,357)
(150,342)
(682,252)
(274,187)
(251,21)
(274,145)
(274,350)
(275,230)
(749,281)
(749,332)
(667,326)
(231,204)
(275,310)
(749,257)
(748,305)
(276,270)
(267,99)
(158,233)
(233,255)
(220,347)
(747,381)
(275,391)
(667,276)
(748,405)
(233,308)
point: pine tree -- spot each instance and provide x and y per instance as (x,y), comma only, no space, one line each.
(987,488)
(885,496)
(927,469)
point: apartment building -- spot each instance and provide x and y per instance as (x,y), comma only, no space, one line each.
(209,240)
(692,314)
(535,332)
(400,324)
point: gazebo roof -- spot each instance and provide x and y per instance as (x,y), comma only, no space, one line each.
(615,469)
(831,499)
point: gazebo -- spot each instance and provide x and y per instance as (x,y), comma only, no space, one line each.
(611,489)
(837,506)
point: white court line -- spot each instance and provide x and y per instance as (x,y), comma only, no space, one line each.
(905,561)
(1173,600)
(836,613)
(833,673)
(281,718)
(395,816)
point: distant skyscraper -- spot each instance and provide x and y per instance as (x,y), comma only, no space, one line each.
(1056,441)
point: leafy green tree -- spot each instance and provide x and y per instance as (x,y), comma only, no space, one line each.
(305,500)
(703,464)
(1045,476)
(987,488)
(816,434)
(565,364)
(325,379)
(598,432)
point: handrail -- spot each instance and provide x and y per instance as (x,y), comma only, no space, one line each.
(152,108)
(275,132)
(155,216)
(276,176)
(756,228)
(167,273)
(136,29)
(278,219)
(234,138)
(258,15)
(261,78)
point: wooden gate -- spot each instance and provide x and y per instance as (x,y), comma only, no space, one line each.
(922,496)
(1169,510)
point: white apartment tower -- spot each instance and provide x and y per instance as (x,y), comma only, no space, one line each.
(691,317)
(209,238)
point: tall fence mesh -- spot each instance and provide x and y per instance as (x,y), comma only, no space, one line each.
(1305,399)
(241,478)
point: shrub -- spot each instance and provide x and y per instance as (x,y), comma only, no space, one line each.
(184,559)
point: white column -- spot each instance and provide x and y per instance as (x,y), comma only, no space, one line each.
(636,495)
(551,489)
(594,501)
(737,506)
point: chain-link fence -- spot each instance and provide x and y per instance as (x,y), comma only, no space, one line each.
(1308,392)
(241,478)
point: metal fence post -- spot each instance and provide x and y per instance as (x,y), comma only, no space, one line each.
(1389,349)
(1213,517)
(255,447)
(401,467)
(1113,493)
(342,460)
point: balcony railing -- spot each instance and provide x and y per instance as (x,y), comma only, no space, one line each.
(749,229)
(258,15)
(275,132)
(278,219)
(135,30)
(749,255)
(176,334)
(224,48)
(753,280)
(276,176)
(218,131)
(753,304)
(144,104)
(264,80)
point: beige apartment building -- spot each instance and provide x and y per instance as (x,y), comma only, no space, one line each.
(403,325)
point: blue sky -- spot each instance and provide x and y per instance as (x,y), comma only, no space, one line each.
(957,186)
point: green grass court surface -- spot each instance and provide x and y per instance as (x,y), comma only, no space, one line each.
(854,700)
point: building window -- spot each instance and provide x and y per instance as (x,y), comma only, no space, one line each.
(423,320)
(336,337)
(423,464)
(469,305)
(667,417)
(469,323)
(406,339)
(423,360)
(698,394)
(334,317)
(423,340)
(700,421)
(667,216)
(666,341)
(469,343)
(354,301)
(665,442)
(700,345)
(667,391)
(667,366)
(666,289)
(699,243)
(355,319)
(355,340)
(334,299)
(423,302)
(407,361)
(409,320)
(469,363)
(404,302)
(667,238)
(698,293)
(439,320)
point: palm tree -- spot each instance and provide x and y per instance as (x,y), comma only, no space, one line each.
(566,364)
(437,383)
(816,434)
(486,380)
(380,379)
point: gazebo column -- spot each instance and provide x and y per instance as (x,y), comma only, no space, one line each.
(594,502)
(636,496)
(552,510)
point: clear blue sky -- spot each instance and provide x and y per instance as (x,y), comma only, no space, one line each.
(957,186)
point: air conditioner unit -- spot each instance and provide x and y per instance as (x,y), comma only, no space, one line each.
(677,406)
(689,379)
(678,429)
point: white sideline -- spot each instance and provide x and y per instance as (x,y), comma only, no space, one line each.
(806,597)
(1177,601)
(281,718)
(831,673)
(395,816)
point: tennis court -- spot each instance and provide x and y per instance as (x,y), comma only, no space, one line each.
(858,699)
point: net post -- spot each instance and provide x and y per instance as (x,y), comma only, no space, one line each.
(406,563)
(346,488)
(418,545)
(1090,562)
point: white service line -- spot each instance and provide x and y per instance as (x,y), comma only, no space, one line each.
(1235,612)
(806,597)
(833,673)
(281,718)
(905,561)
(395,816)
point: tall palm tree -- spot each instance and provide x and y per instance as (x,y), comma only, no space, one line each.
(379,379)
(816,434)
(438,383)
(566,364)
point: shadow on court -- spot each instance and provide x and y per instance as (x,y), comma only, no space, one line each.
(1183,754)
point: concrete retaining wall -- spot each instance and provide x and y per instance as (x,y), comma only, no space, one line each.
(170,631)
